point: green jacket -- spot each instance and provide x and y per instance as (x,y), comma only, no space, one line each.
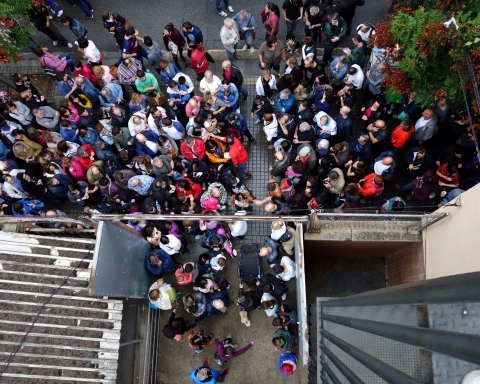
(330,31)
(91,177)
(358,56)
(150,81)
(122,141)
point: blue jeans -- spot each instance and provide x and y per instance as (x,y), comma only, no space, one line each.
(84,5)
(218,3)
(231,55)
(249,39)
(54,7)
(68,60)
(291,27)
(243,91)
(407,187)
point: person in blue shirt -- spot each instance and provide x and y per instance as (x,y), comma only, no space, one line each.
(58,185)
(287,363)
(27,207)
(218,303)
(75,26)
(68,130)
(207,375)
(4,151)
(285,101)
(159,261)
(87,135)
(65,85)
(178,92)
(338,70)
(232,99)
(111,94)
(88,89)
(247,24)
(191,33)
(168,71)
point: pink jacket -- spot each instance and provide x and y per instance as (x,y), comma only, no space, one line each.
(77,171)
(108,77)
(210,205)
(53,62)
(74,115)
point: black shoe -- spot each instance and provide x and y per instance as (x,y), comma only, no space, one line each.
(245,97)
(253,141)
(183,59)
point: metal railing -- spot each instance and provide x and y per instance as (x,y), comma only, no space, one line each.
(446,290)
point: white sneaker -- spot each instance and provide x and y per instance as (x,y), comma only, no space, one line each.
(245,47)
(252,49)
(55,43)
(69,45)
(234,252)
(230,9)
(284,296)
(248,323)
(222,14)
(60,13)
(50,17)
(271,101)
(76,42)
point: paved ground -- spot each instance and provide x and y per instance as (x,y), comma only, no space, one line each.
(150,16)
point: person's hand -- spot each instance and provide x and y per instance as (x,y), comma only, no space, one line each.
(39,182)
(336,38)
(240,285)
(441,184)
(367,74)
(252,342)
(119,101)
(257,283)
(437,163)
(48,25)
(410,167)
(364,117)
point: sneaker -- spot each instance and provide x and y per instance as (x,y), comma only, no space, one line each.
(270,146)
(55,43)
(230,9)
(222,14)
(76,42)
(89,17)
(252,49)
(249,176)
(245,47)
(247,324)
(70,45)
(225,371)
(234,252)
(50,17)
(271,101)
(432,195)
(223,207)
(60,13)
(245,97)
(284,296)
(229,336)
(205,362)
(91,10)
(253,141)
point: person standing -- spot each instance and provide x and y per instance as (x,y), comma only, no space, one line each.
(292,13)
(334,31)
(271,53)
(247,26)
(40,18)
(230,38)
(84,5)
(220,11)
(270,16)
(198,60)
(174,42)
(191,34)
(233,74)
(346,9)
(206,374)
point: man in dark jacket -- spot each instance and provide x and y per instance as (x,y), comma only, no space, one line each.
(273,285)
(87,119)
(233,74)
(346,9)
(58,185)
(110,205)
(217,303)
(162,188)
(39,16)
(344,122)
(159,261)
(361,148)
(32,183)
(418,161)
(238,121)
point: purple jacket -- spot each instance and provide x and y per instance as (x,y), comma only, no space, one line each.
(53,62)
(219,347)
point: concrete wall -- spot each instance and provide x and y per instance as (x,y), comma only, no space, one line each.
(319,248)
(452,246)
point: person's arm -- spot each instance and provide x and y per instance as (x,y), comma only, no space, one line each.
(284,14)
(260,202)
(242,351)
(284,54)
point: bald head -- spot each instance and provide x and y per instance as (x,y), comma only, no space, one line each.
(79,80)
(141,138)
(388,160)
(51,214)
(215,192)
(428,113)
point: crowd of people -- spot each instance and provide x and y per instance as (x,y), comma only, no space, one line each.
(171,149)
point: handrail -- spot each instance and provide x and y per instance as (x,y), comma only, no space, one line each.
(227,218)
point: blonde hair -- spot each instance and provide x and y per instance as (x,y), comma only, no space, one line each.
(136,97)
(292,62)
(98,71)
(266,72)
(276,225)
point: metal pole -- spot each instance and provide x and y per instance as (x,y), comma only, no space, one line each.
(395,216)
(458,345)
(385,371)
(347,372)
(431,222)
(330,373)
(227,218)
(39,219)
(463,288)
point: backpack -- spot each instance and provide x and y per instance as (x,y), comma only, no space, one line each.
(219,360)
(223,284)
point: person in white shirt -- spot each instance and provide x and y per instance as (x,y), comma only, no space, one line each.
(382,165)
(272,83)
(366,30)
(326,125)
(210,83)
(269,304)
(188,81)
(89,50)
(150,144)
(170,244)
(355,76)
(270,127)
(286,270)
(238,229)
(137,124)
(13,187)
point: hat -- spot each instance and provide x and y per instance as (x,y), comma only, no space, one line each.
(130,31)
(288,368)
(286,183)
(305,151)
(98,144)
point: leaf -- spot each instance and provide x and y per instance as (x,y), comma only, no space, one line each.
(477,39)
(468,43)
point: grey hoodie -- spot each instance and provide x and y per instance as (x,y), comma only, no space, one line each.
(154,55)
(50,120)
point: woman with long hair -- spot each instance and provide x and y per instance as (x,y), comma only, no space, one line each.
(270,18)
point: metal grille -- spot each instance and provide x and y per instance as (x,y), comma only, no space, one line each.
(76,338)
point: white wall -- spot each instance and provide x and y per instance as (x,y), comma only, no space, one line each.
(452,246)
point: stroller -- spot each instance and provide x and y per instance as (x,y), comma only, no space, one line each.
(226,173)
(249,269)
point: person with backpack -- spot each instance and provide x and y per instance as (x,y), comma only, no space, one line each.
(366,30)
(226,350)
(334,30)
(346,9)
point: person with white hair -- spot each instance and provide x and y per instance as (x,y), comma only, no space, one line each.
(210,83)
(141,184)
(285,101)
(326,126)
(137,124)
(111,94)
(247,26)
(230,37)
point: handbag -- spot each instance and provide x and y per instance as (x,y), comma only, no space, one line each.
(172,47)
(209,57)
(114,71)
(242,33)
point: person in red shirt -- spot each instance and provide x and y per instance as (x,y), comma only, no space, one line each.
(198,60)
(270,16)
(192,148)
(401,134)
(186,187)
(371,185)
(86,156)
(447,176)
(236,153)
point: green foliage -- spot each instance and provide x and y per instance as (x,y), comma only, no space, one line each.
(431,50)
(15,29)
